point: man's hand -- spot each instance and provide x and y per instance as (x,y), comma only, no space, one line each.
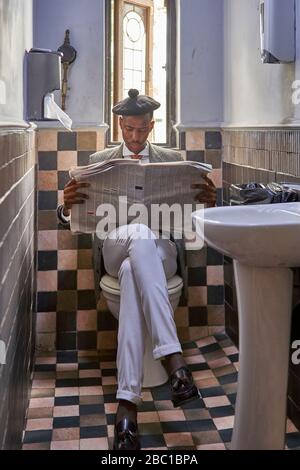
(207,194)
(71,196)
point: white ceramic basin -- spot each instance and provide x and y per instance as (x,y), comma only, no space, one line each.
(264,241)
(258,235)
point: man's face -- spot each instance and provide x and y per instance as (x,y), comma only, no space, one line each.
(135,131)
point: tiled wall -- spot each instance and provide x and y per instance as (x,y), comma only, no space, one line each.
(204,314)
(262,156)
(17,280)
(66,310)
(67,317)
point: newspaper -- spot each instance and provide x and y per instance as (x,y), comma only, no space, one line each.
(122,186)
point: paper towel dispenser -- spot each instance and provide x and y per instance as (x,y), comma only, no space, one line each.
(277,31)
(43,76)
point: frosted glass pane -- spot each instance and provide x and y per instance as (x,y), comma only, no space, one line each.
(128,80)
(128,59)
(133,27)
(137,80)
(138,60)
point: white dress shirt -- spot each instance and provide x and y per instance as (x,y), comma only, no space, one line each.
(145,153)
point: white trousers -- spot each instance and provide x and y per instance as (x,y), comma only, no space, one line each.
(142,263)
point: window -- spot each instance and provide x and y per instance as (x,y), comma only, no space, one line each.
(141,54)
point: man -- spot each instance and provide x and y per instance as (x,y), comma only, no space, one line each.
(142,263)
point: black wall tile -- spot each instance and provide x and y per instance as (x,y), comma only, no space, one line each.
(214,258)
(197,276)
(67,141)
(47,200)
(47,161)
(87,340)
(86,299)
(84,241)
(195,155)
(63,179)
(47,220)
(47,260)
(67,280)
(215,295)
(198,316)
(66,341)
(182,141)
(47,301)
(66,322)
(83,157)
(213,140)
(67,300)
(106,321)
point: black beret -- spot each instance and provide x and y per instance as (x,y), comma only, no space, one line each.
(135,104)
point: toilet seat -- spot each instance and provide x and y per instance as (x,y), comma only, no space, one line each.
(111,284)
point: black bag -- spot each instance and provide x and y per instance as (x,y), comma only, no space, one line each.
(259,193)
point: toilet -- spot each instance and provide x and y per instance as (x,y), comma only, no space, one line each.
(154,372)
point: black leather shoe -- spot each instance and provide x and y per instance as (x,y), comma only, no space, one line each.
(126,436)
(183,388)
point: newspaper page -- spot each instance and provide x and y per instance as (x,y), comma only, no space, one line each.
(125,191)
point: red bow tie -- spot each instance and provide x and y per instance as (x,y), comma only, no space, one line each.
(136,157)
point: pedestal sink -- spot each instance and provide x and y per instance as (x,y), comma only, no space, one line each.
(264,242)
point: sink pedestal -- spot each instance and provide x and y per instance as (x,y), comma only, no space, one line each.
(265,307)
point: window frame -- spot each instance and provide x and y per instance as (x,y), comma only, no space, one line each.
(170,67)
(118,55)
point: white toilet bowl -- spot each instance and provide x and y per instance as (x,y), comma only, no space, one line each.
(154,372)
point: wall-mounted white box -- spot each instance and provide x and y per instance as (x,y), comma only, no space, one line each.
(278,31)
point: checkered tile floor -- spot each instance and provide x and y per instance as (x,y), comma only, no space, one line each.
(73,403)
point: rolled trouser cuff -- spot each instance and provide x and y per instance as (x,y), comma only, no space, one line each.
(166,350)
(129,396)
